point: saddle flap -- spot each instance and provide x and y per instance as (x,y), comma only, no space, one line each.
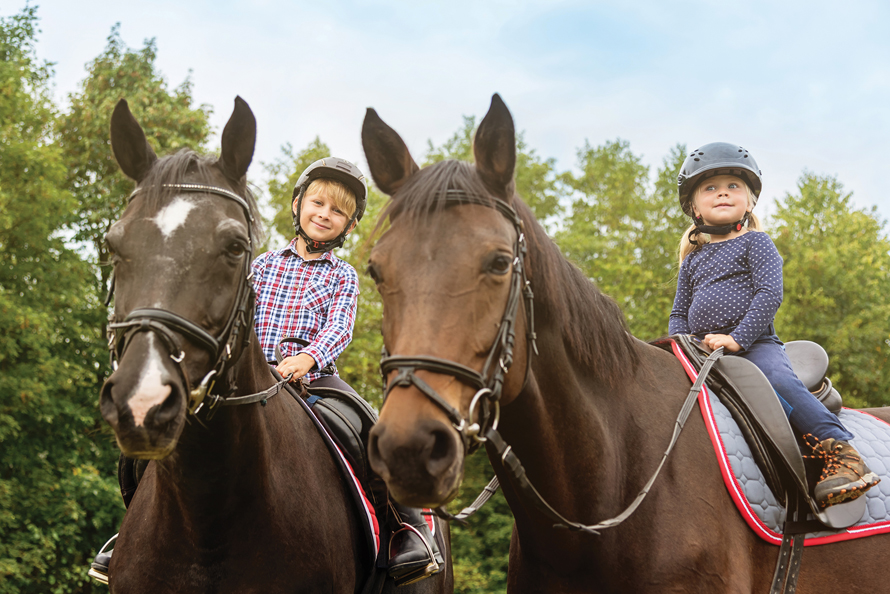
(760,400)
(809,361)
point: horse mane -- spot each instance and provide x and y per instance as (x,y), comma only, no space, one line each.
(591,322)
(187,166)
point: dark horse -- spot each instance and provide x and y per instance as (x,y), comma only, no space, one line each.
(589,416)
(237,498)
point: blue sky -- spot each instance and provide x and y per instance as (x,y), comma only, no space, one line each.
(802,85)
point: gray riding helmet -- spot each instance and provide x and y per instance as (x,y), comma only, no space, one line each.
(339,170)
(716,158)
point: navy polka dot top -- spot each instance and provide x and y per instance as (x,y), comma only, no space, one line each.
(731,287)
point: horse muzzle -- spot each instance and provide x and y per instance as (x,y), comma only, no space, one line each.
(421,463)
(144,402)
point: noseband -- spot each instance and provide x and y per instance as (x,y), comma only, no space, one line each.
(488,383)
(223,349)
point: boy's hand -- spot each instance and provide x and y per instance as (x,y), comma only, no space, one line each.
(299,365)
(715,341)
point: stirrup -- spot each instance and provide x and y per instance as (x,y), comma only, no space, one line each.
(420,573)
(95,572)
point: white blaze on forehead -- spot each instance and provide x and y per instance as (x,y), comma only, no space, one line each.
(172,216)
(151,390)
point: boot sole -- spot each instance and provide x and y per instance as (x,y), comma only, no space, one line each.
(415,576)
(98,576)
(851,493)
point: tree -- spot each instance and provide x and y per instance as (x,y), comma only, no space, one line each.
(167,116)
(55,504)
(837,275)
(623,235)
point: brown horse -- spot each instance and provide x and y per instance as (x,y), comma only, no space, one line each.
(237,498)
(589,416)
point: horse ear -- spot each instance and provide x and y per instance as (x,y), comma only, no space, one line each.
(495,149)
(238,141)
(128,142)
(388,157)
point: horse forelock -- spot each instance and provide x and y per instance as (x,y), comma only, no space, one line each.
(591,323)
(187,166)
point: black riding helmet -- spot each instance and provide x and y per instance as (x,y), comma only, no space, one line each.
(339,170)
(717,158)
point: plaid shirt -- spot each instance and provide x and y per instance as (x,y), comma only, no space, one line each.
(311,299)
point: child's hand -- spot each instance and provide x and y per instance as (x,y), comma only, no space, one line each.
(715,341)
(299,365)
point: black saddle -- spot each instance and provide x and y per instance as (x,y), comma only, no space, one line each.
(754,405)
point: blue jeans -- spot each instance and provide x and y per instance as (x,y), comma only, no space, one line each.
(805,413)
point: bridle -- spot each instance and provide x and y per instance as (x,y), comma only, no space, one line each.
(224,349)
(489,384)
(490,381)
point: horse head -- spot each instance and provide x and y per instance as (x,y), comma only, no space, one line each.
(181,253)
(448,272)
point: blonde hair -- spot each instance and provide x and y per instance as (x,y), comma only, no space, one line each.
(342,197)
(686,247)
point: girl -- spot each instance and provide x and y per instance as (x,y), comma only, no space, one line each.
(728,291)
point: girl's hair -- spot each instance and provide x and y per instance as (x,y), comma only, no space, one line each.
(342,197)
(686,247)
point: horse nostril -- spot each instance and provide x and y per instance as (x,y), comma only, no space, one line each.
(169,409)
(375,456)
(106,403)
(442,452)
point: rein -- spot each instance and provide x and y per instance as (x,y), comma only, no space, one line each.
(224,349)
(489,384)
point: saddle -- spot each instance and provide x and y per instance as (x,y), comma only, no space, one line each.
(755,407)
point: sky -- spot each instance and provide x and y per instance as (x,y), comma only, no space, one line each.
(801,85)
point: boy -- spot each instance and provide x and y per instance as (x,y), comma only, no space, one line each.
(304,291)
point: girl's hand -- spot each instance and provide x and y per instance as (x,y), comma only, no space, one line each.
(715,341)
(299,365)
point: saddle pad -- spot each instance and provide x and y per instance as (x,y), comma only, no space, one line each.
(754,499)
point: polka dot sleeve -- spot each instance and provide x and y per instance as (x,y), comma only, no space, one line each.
(765,264)
(679,320)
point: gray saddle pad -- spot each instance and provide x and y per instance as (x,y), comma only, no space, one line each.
(756,502)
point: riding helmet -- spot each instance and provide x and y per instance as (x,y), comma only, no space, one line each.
(717,158)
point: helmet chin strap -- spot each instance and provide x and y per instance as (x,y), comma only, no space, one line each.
(716,229)
(313,246)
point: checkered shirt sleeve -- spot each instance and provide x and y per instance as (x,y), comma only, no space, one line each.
(315,300)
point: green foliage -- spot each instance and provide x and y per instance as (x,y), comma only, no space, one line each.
(622,234)
(167,116)
(55,504)
(837,275)
(536,179)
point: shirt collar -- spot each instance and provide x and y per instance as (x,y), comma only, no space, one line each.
(327,256)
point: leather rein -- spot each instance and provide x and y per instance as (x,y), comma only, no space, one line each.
(224,349)
(489,384)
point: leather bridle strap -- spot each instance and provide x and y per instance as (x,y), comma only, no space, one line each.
(520,479)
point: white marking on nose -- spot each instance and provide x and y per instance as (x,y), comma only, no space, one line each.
(172,216)
(151,390)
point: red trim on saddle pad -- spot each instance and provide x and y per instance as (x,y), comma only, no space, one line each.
(370,514)
(735,492)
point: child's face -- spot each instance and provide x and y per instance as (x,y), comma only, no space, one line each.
(721,200)
(320,218)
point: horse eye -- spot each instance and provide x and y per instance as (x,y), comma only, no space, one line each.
(236,249)
(500,264)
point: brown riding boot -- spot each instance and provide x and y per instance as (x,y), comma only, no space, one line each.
(844,476)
